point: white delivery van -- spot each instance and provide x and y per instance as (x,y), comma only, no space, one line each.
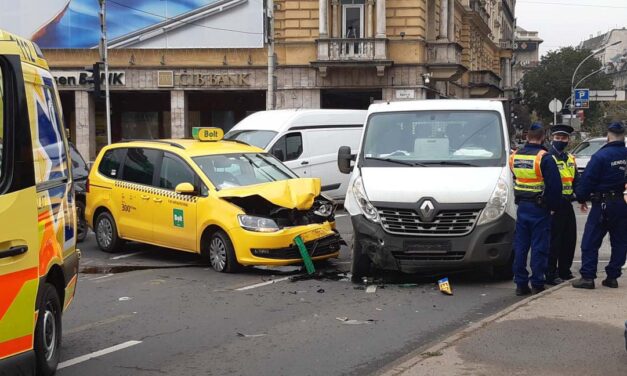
(431,188)
(307,141)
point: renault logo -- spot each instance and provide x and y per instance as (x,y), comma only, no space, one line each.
(427,211)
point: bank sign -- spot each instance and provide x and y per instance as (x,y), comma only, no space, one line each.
(81,78)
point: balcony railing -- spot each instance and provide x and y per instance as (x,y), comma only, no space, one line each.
(506,44)
(484,77)
(352,49)
(478,6)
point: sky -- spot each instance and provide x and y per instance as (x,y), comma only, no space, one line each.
(564,23)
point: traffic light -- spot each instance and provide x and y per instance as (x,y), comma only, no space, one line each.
(96,70)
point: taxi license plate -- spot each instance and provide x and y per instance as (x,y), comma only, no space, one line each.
(313,235)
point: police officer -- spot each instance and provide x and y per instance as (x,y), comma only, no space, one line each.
(563,222)
(603,183)
(537,190)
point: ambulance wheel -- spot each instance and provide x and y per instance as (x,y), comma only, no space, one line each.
(107,234)
(222,254)
(48,331)
(361,265)
(81,223)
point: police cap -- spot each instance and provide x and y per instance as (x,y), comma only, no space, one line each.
(535,126)
(616,127)
(562,129)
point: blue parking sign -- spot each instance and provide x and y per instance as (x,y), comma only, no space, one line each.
(582,98)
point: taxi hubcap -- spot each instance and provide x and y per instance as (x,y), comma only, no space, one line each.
(105,233)
(217,254)
(50,332)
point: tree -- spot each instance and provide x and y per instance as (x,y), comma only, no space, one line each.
(552,79)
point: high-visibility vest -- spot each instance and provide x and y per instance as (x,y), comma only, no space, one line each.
(525,164)
(568,170)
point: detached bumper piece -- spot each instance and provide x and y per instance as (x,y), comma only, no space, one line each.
(320,247)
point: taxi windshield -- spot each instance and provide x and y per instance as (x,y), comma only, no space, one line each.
(239,170)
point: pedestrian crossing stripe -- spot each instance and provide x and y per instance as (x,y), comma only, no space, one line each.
(155,191)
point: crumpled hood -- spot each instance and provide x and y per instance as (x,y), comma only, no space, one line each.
(291,194)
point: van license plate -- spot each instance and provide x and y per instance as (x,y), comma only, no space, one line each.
(428,247)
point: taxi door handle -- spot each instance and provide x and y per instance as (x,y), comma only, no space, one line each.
(145,197)
(157,200)
(14,251)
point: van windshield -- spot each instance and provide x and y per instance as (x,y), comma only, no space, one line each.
(257,138)
(434,138)
(239,170)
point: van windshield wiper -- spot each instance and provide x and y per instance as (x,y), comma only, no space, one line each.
(397,161)
(451,163)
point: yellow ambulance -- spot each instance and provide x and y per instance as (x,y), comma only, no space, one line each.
(38,256)
(231,202)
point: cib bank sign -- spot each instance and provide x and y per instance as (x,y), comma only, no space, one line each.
(82,78)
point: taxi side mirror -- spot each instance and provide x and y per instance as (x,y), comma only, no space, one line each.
(185,189)
(344,159)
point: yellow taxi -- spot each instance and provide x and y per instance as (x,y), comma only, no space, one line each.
(232,203)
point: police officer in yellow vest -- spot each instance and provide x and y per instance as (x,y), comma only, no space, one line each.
(563,222)
(537,190)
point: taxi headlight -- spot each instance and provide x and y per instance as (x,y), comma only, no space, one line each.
(325,210)
(497,203)
(370,212)
(257,224)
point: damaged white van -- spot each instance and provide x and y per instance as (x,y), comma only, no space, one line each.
(431,189)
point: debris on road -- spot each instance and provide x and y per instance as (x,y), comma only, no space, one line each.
(305,255)
(445,286)
(347,321)
(408,285)
(125,298)
(320,291)
(371,289)
(332,275)
(251,335)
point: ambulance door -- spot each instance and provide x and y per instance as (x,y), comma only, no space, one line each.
(19,241)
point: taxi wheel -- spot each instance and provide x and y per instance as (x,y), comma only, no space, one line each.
(361,265)
(221,253)
(107,234)
(48,331)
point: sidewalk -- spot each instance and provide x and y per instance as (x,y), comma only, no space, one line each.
(563,331)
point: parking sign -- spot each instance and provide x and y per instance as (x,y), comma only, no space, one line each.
(582,98)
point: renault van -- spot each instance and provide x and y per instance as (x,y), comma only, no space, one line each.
(38,256)
(431,189)
(306,141)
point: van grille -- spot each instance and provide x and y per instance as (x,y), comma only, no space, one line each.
(446,222)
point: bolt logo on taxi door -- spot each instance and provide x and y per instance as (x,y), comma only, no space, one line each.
(177,215)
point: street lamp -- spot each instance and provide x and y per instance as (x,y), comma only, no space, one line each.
(572,81)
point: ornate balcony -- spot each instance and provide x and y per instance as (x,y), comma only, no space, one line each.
(445,60)
(485,84)
(339,52)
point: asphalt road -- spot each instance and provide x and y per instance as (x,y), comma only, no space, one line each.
(175,316)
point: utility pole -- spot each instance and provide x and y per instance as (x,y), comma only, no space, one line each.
(104,56)
(270,100)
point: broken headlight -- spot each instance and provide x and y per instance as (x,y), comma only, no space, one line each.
(370,212)
(257,224)
(325,210)
(496,204)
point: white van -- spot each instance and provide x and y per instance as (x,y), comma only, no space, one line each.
(431,188)
(306,141)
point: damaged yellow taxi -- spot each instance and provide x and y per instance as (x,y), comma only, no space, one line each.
(232,203)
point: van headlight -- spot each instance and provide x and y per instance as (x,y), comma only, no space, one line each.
(497,203)
(370,212)
(257,224)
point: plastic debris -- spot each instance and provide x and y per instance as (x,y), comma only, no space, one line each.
(347,321)
(371,289)
(379,309)
(251,335)
(125,299)
(445,286)
(305,255)
(320,291)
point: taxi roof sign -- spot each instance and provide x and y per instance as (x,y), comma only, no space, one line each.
(207,133)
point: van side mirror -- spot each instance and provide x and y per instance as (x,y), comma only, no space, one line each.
(344,159)
(185,189)
(278,153)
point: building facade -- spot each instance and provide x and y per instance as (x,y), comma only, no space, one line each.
(328,54)
(526,53)
(614,58)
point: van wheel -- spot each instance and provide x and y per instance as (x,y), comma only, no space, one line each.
(81,223)
(222,254)
(361,265)
(107,234)
(48,331)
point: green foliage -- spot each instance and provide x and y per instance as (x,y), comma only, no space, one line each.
(552,79)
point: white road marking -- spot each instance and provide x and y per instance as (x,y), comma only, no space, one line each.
(101,277)
(95,354)
(266,283)
(126,255)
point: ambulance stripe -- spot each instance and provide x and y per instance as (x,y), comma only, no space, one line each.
(11,285)
(16,346)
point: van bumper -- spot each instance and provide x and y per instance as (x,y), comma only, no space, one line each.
(489,244)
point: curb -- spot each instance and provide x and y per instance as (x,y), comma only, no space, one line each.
(414,358)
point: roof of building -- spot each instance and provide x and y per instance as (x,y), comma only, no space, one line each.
(600,40)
